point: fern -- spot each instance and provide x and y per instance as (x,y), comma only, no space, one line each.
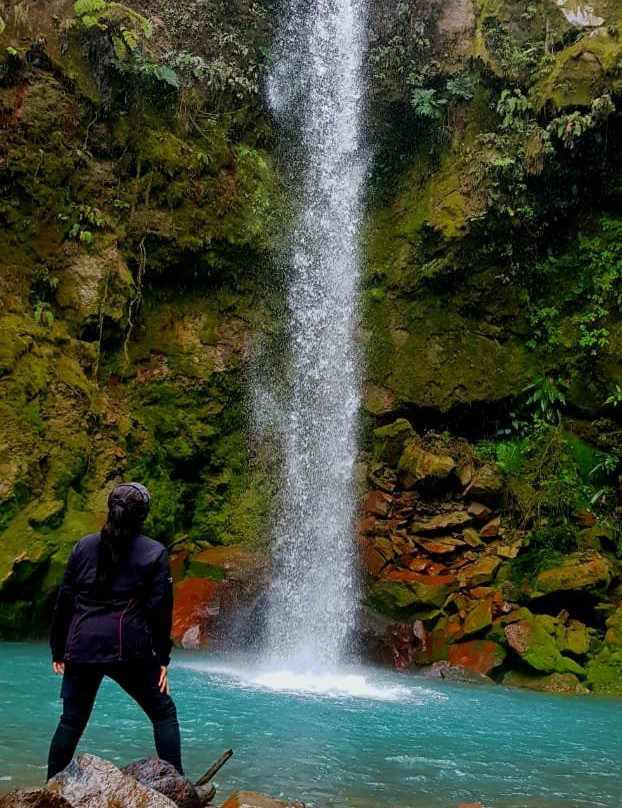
(89,8)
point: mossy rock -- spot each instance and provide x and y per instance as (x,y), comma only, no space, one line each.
(416,466)
(400,599)
(389,440)
(578,571)
(565,683)
(604,673)
(533,642)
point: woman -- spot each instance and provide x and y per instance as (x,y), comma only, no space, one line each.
(113,618)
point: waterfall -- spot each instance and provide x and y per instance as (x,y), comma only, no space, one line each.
(316,89)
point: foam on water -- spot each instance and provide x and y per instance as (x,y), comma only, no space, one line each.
(338,684)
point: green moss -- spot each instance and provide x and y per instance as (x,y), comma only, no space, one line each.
(604,673)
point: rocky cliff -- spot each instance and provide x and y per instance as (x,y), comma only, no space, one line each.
(143,207)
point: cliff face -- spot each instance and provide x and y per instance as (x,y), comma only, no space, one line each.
(143,211)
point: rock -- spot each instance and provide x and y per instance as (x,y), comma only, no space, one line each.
(436,642)
(33,798)
(613,636)
(82,284)
(443,669)
(480,656)
(491,529)
(471,537)
(198,602)
(164,778)
(478,617)
(554,683)
(377,504)
(583,518)
(604,672)
(399,643)
(416,465)
(382,477)
(573,637)
(442,522)
(577,571)
(228,561)
(389,440)
(405,590)
(480,572)
(486,484)
(47,514)
(373,561)
(254,799)
(479,511)
(508,551)
(90,782)
(535,645)
(441,546)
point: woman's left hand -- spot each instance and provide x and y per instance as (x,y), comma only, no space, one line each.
(163,682)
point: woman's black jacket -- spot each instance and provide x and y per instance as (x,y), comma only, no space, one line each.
(130,620)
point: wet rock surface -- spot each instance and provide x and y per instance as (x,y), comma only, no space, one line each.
(91,782)
(165,779)
(445,563)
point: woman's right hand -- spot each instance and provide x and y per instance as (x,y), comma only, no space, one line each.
(163,685)
(58,667)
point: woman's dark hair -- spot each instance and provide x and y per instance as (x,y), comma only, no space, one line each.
(128,506)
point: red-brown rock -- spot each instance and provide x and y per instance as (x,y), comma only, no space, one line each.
(373,561)
(377,503)
(198,602)
(253,799)
(480,656)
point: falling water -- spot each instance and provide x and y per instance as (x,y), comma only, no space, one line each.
(316,87)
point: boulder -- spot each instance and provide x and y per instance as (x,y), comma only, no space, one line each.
(613,636)
(198,603)
(577,571)
(416,466)
(480,572)
(604,672)
(228,561)
(486,484)
(455,673)
(531,640)
(254,799)
(436,642)
(389,440)
(553,683)
(377,503)
(442,522)
(90,782)
(401,593)
(33,798)
(480,656)
(479,617)
(164,778)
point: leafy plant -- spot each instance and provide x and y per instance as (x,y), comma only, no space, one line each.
(43,315)
(547,396)
(513,107)
(570,128)
(460,87)
(427,103)
(615,399)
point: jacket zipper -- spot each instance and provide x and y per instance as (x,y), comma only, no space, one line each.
(123,613)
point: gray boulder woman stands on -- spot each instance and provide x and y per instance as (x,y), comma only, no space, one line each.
(113,618)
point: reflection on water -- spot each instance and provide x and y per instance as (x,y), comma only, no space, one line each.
(363,739)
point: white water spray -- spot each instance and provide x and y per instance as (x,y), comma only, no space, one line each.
(318,83)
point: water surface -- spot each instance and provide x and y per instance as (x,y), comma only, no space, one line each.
(369,739)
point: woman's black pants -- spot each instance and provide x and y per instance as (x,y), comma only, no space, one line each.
(140,680)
